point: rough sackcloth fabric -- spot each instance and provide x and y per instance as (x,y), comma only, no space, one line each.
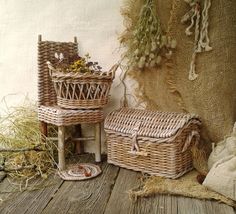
(212,95)
(222,164)
(222,177)
(186,185)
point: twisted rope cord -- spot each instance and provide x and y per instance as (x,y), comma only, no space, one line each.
(192,71)
(202,41)
(187,31)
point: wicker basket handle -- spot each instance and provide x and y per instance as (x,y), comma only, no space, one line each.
(50,68)
(112,70)
(189,139)
(135,150)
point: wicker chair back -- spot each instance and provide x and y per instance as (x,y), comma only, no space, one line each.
(46,52)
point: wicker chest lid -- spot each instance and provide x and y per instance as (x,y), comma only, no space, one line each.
(163,126)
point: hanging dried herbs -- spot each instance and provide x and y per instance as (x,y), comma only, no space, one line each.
(145,42)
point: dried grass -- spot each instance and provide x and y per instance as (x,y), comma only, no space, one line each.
(25,154)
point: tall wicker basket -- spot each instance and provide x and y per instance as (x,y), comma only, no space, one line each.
(82,91)
(154,142)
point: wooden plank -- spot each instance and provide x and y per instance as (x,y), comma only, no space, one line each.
(165,204)
(188,204)
(171,205)
(147,205)
(6,190)
(106,193)
(119,201)
(214,207)
(161,204)
(89,196)
(202,206)
(45,197)
(29,202)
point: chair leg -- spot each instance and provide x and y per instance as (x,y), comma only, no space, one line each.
(61,148)
(79,147)
(43,130)
(98,142)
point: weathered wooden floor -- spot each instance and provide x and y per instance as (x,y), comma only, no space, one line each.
(104,194)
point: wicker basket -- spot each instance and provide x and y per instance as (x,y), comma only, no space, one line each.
(82,91)
(157,143)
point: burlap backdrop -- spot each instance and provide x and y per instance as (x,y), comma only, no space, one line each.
(213,94)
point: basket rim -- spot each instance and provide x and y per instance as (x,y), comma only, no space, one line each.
(156,124)
(72,75)
(60,74)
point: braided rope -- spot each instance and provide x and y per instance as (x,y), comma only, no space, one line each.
(82,171)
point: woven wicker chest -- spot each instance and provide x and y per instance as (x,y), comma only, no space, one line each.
(157,143)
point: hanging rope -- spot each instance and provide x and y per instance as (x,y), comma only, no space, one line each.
(200,21)
(204,41)
(192,72)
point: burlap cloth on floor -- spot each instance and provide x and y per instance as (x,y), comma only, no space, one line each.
(186,185)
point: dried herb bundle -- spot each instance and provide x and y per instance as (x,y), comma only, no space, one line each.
(76,63)
(145,42)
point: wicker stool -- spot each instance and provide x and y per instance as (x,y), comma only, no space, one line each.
(49,112)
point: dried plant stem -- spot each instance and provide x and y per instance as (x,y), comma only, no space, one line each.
(23,153)
(17,168)
(22,149)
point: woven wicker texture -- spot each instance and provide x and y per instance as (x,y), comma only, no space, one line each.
(78,91)
(158,125)
(65,117)
(48,110)
(46,52)
(81,91)
(157,143)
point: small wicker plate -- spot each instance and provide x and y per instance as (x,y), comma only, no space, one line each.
(78,172)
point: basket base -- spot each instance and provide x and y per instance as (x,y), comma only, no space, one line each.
(81,104)
(160,174)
